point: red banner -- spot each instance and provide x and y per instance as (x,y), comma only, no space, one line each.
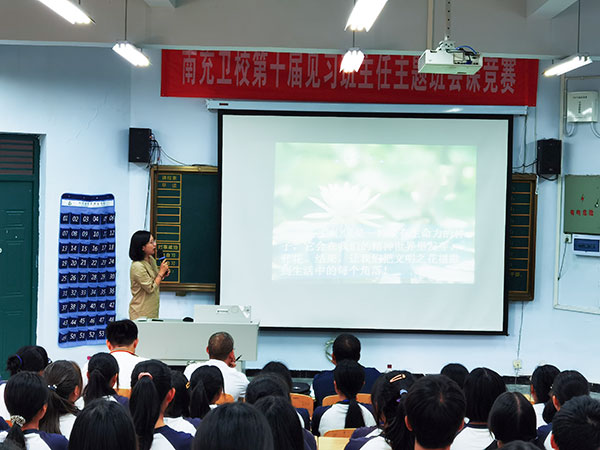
(317,78)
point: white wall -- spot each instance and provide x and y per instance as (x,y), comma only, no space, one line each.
(83,101)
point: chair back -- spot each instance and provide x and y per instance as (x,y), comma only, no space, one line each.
(363,398)
(331,400)
(341,432)
(123,392)
(224,398)
(332,443)
(303,401)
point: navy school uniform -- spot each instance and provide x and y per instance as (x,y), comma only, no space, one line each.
(166,438)
(337,412)
(3,425)
(185,424)
(361,436)
(40,440)
(310,443)
(303,412)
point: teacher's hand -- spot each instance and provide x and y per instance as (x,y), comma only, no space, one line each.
(163,270)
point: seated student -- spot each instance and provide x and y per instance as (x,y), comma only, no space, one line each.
(287,432)
(206,387)
(102,375)
(456,372)
(345,347)
(512,418)
(151,393)
(576,426)
(64,381)
(389,393)
(103,425)
(177,414)
(238,426)
(31,358)
(482,387)
(26,397)
(567,384)
(122,340)
(435,410)
(221,354)
(349,377)
(281,369)
(269,384)
(541,385)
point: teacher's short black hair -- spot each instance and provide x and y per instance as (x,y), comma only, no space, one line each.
(138,240)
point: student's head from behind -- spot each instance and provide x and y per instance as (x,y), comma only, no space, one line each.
(541,382)
(284,423)
(65,383)
(151,393)
(387,391)
(267,384)
(206,386)
(456,372)
(121,334)
(512,418)
(31,358)
(280,369)
(345,346)
(577,425)
(103,425)
(520,445)
(482,387)
(26,397)
(234,426)
(435,409)
(140,245)
(179,406)
(102,374)
(220,346)
(568,384)
(348,378)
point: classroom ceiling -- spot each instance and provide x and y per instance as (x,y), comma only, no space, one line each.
(522,28)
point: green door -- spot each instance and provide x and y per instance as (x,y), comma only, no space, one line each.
(18,242)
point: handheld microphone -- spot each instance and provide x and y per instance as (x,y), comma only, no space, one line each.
(160,256)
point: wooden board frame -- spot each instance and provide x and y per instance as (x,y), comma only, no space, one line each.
(156,169)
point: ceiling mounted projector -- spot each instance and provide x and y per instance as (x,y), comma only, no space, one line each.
(451,60)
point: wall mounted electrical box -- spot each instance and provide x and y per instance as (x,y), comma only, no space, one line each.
(582,106)
(581,213)
(586,245)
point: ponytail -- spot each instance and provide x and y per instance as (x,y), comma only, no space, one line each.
(180,405)
(101,370)
(30,358)
(62,377)
(349,378)
(199,402)
(150,384)
(25,395)
(395,432)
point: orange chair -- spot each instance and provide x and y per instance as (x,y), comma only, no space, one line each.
(341,432)
(360,398)
(303,401)
(332,443)
(331,400)
(225,398)
(123,392)
(363,398)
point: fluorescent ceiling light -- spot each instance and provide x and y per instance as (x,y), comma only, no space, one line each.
(68,11)
(131,53)
(352,60)
(568,64)
(364,13)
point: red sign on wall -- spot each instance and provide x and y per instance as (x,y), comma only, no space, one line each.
(316,78)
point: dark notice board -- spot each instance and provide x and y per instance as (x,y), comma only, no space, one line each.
(522,224)
(185,221)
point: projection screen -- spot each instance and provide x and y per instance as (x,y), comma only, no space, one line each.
(384,222)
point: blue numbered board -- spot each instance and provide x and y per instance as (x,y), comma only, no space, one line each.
(86,268)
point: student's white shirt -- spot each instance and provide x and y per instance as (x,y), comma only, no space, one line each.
(37,440)
(3,411)
(335,418)
(235,382)
(472,438)
(377,443)
(548,442)
(180,424)
(126,361)
(165,438)
(539,410)
(65,423)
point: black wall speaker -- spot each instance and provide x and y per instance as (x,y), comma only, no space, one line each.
(548,156)
(139,145)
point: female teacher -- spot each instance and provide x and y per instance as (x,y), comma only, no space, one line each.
(145,276)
